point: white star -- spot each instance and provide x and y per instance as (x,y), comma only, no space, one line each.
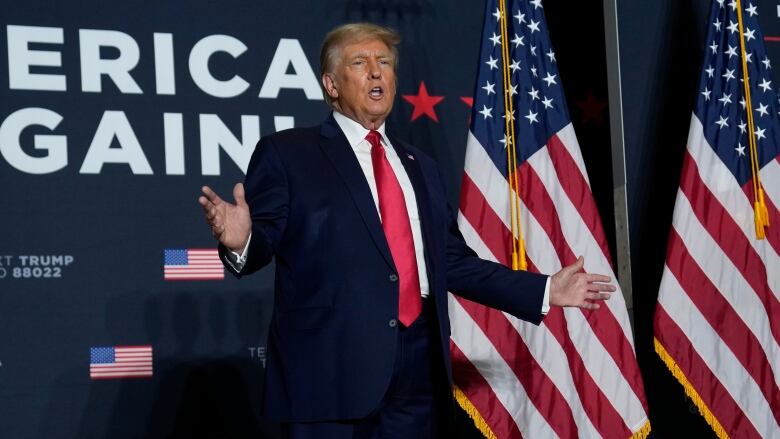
(497,14)
(511,116)
(740,149)
(520,17)
(723,122)
(531,116)
(709,71)
(752,10)
(742,102)
(533,50)
(720,2)
(749,58)
(717,24)
(729,74)
(489,88)
(549,79)
(733,5)
(533,70)
(534,93)
(742,125)
(505,140)
(547,102)
(518,40)
(533,26)
(512,89)
(733,27)
(732,51)
(537,4)
(486,112)
(551,55)
(515,66)
(496,39)
(762,109)
(714,47)
(492,63)
(726,99)
(767,63)
(765,85)
(760,133)
(749,34)
(706,94)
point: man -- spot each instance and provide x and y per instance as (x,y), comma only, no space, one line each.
(366,249)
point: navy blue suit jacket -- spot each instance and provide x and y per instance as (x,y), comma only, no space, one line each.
(332,337)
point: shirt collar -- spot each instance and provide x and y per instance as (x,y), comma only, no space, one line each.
(355,132)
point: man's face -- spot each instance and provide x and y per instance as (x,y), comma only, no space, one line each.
(362,84)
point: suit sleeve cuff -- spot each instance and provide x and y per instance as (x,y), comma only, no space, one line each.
(238,260)
(546,299)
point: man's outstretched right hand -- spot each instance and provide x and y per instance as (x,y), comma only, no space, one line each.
(230,223)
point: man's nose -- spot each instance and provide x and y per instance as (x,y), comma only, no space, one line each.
(374,70)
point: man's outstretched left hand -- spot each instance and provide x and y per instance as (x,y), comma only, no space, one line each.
(571,287)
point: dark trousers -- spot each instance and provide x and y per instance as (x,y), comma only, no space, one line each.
(416,401)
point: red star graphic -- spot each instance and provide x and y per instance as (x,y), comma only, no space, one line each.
(423,103)
(468,100)
(591,108)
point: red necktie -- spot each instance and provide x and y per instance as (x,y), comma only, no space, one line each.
(398,231)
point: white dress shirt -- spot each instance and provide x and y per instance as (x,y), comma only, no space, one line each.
(356,136)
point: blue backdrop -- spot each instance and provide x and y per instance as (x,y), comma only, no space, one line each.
(113,114)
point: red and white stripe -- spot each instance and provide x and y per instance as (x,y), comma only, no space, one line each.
(576,374)
(129,361)
(203,264)
(718,305)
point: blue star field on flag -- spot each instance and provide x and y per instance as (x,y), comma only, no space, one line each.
(539,106)
(721,105)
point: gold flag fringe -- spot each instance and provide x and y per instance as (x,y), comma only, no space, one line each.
(689,390)
(484,428)
(642,432)
(468,407)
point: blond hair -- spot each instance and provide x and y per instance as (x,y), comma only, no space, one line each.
(345,34)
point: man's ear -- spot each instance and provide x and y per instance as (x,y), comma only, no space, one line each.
(330,85)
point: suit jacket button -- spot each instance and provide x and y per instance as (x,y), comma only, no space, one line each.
(393,323)
(393,277)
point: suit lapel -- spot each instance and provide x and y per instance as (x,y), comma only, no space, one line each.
(422,194)
(336,147)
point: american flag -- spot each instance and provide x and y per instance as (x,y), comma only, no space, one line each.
(716,321)
(192,264)
(576,374)
(120,362)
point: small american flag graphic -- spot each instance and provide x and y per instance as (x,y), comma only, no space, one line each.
(120,362)
(192,264)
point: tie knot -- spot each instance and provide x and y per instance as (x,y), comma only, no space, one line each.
(374,138)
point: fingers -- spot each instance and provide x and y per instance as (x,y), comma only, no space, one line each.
(593,277)
(578,264)
(573,268)
(238,194)
(209,201)
(594,286)
(210,195)
(597,296)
